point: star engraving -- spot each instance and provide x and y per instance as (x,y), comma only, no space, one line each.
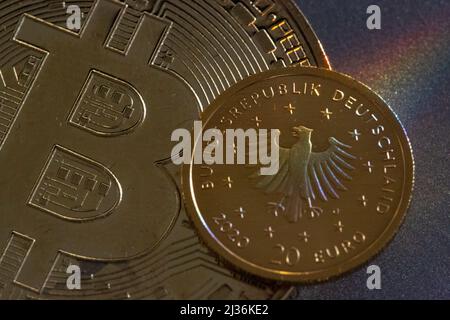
(270,232)
(304,236)
(327,113)
(339,226)
(363,200)
(290,108)
(241,212)
(355,134)
(369,166)
(228,182)
(257,120)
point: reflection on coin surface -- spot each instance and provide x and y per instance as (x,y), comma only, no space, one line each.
(342,189)
(85,120)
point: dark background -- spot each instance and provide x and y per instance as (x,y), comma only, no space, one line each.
(408,63)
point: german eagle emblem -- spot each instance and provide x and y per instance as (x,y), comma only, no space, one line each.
(304,175)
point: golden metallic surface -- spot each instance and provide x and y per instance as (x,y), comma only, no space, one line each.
(342,190)
(86,117)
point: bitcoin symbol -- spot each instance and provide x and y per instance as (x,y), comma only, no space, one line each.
(81,163)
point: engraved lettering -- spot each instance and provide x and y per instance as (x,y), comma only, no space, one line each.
(338,95)
(283,89)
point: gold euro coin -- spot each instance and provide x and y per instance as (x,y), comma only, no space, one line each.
(343,182)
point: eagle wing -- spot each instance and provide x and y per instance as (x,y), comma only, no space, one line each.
(327,170)
(279,181)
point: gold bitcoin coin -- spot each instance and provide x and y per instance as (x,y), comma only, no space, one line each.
(81,80)
(342,188)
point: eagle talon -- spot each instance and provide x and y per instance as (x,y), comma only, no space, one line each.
(275,207)
(315,212)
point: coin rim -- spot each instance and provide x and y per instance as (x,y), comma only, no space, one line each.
(369,252)
(309,35)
